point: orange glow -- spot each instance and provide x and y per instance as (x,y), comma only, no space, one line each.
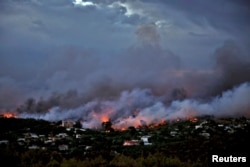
(136,120)
(9,115)
(193,119)
(156,124)
(104,118)
(123,129)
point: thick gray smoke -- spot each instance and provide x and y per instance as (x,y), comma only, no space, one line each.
(232,65)
(79,78)
(134,89)
(139,105)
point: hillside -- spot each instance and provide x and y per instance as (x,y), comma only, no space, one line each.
(30,142)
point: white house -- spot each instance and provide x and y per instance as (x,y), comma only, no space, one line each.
(4,141)
(198,126)
(145,140)
(78,136)
(62,135)
(206,135)
(34,136)
(173,133)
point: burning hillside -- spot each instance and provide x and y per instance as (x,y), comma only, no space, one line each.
(141,107)
(8,114)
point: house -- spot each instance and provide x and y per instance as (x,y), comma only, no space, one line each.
(34,136)
(88,147)
(131,143)
(42,137)
(148,144)
(49,141)
(4,141)
(21,139)
(68,123)
(145,140)
(61,135)
(220,125)
(229,129)
(173,133)
(203,122)
(63,147)
(78,136)
(198,126)
(206,135)
(33,147)
(83,130)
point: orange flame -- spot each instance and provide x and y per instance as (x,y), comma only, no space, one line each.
(135,120)
(104,118)
(123,129)
(9,115)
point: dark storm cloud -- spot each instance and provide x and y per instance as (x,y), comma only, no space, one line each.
(101,48)
(231,16)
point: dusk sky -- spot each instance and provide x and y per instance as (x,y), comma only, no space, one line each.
(100,48)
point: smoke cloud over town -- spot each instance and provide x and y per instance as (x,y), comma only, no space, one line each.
(130,62)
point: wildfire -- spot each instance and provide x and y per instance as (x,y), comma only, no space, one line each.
(104,118)
(120,128)
(156,124)
(101,117)
(134,120)
(104,115)
(123,129)
(193,119)
(9,115)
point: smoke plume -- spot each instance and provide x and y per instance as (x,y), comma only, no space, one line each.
(145,85)
(133,62)
(140,106)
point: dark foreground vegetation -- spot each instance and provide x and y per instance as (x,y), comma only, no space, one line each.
(38,143)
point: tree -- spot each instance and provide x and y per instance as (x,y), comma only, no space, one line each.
(107,126)
(78,125)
